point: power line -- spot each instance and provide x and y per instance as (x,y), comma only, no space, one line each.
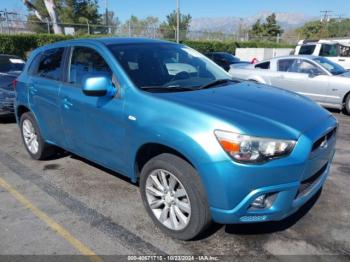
(326,16)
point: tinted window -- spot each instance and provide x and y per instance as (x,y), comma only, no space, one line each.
(307,49)
(265,65)
(87,62)
(284,65)
(50,64)
(329,50)
(9,63)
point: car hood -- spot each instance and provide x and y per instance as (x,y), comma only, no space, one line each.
(254,109)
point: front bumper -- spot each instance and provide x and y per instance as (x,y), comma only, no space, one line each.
(292,181)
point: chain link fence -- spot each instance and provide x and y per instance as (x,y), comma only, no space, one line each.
(16,26)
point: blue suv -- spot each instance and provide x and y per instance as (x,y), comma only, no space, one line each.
(202,146)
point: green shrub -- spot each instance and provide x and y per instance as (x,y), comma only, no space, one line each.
(22,44)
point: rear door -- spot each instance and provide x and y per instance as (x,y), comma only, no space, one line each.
(94,126)
(43,86)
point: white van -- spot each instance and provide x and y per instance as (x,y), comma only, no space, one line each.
(336,50)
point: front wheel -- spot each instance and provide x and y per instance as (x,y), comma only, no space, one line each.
(174,197)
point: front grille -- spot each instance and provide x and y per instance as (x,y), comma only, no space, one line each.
(306,184)
(326,137)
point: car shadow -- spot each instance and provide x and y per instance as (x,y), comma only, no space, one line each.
(104,169)
(273,226)
(7,119)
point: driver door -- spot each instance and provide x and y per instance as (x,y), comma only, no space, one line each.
(303,77)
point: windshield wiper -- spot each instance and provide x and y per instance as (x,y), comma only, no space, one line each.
(166,89)
(216,83)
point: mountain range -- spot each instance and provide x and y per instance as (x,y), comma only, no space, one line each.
(287,21)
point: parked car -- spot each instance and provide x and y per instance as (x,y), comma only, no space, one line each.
(225,60)
(337,50)
(202,146)
(10,68)
(318,78)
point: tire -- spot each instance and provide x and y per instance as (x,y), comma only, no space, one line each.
(37,148)
(188,196)
(347,105)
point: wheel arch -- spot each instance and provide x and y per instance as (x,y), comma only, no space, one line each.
(149,150)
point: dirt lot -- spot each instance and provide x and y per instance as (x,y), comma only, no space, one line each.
(70,206)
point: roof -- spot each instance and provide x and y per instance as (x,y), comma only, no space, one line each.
(311,57)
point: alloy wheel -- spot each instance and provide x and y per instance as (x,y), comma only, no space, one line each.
(168,199)
(30,136)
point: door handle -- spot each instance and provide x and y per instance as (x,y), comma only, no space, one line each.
(341,60)
(67,104)
(33,90)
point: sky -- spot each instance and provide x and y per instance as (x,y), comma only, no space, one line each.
(210,8)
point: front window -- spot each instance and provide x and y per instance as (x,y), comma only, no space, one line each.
(305,67)
(87,62)
(166,66)
(330,66)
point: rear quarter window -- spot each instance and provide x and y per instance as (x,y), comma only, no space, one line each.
(265,65)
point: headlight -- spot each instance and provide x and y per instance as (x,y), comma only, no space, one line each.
(248,149)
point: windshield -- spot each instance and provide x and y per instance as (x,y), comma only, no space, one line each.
(166,65)
(330,66)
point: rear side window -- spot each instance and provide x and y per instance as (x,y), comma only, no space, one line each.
(285,65)
(265,65)
(307,49)
(329,50)
(50,64)
(87,62)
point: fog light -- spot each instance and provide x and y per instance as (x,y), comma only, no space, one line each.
(259,202)
(263,201)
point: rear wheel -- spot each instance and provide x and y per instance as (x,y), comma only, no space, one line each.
(173,196)
(32,139)
(347,105)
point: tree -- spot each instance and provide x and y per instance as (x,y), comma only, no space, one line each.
(325,29)
(50,11)
(168,27)
(268,29)
(66,12)
(271,27)
(141,27)
(257,29)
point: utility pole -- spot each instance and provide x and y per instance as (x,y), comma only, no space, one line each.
(325,19)
(177,21)
(326,16)
(107,22)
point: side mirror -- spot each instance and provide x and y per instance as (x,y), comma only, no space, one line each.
(99,86)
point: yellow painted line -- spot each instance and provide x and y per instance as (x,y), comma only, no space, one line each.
(84,250)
